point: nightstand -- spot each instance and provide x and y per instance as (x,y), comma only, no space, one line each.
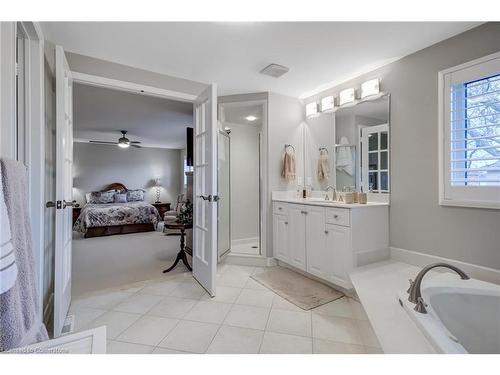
(162,208)
(76,213)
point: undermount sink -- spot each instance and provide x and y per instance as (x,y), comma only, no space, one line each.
(323,200)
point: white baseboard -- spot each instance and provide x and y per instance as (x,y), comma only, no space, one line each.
(420,259)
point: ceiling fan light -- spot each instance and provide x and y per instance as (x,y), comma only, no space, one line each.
(123,144)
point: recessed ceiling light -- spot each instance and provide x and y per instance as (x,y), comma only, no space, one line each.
(251,118)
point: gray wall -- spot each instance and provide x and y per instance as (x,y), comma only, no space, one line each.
(96,166)
(417,222)
(89,65)
(285,125)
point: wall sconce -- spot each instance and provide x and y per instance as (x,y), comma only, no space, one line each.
(327,104)
(312,109)
(370,88)
(347,96)
(157,186)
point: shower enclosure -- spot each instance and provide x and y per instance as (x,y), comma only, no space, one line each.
(239,152)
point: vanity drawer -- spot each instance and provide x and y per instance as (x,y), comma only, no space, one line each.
(280,208)
(338,216)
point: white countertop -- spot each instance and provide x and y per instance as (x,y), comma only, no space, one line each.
(325,203)
(377,286)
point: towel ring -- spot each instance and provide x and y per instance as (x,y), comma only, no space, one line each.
(287,145)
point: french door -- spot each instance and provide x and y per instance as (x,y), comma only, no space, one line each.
(375,159)
(64,186)
(205,189)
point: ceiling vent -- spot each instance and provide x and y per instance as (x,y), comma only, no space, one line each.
(275,70)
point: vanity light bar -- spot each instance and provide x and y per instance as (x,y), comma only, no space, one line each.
(370,88)
(311,109)
(328,104)
(346,97)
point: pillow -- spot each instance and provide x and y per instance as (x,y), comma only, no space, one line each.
(120,197)
(99,197)
(135,195)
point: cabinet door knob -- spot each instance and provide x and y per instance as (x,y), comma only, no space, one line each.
(335,216)
(286,222)
(326,232)
(280,208)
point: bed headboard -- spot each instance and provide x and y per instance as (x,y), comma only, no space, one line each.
(116,186)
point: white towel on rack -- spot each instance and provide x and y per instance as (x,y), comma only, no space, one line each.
(8,266)
(344,157)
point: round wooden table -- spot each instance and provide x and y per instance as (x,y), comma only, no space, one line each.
(185,250)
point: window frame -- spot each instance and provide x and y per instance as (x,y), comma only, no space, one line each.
(462,196)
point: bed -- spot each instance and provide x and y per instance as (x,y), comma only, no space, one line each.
(106,219)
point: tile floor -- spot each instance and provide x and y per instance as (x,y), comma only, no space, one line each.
(173,314)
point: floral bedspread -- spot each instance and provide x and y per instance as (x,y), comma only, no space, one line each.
(109,214)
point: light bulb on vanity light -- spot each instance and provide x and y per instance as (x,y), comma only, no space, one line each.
(327,104)
(251,118)
(369,88)
(311,110)
(347,96)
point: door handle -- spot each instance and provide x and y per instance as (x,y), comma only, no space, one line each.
(68,204)
(50,204)
(206,197)
(216,198)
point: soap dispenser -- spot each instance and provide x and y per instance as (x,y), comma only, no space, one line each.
(308,187)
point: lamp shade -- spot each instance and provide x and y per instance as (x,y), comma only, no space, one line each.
(157,181)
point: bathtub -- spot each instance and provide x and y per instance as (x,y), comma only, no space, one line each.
(463,316)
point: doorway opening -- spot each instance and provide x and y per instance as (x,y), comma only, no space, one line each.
(241,125)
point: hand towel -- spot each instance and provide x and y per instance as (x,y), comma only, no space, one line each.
(20,323)
(323,165)
(344,157)
(288,164)
(8,267)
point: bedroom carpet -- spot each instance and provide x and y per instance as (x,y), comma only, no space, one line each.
(106,262)
(297,289)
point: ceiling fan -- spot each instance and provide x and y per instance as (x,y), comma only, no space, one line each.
(123,141)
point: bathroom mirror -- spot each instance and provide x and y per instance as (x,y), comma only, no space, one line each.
(362,151)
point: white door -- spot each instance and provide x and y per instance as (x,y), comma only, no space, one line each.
(64,186)
(297,239)
(205,189)
(338,255)
(375,158)
(316,241)
(280,233)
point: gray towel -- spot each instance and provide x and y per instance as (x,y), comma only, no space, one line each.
(8,267)
(20,324)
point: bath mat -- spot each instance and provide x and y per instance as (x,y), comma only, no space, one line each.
(297,289)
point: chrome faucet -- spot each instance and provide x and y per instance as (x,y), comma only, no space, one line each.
(334,195)
(415,294)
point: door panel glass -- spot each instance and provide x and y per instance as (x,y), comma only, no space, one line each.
(373,142)
(383,160)
(373,160)
(383,141)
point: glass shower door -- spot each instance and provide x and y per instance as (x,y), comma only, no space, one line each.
(224,234)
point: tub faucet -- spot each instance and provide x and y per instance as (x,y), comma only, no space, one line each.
(415,295)
(334,195)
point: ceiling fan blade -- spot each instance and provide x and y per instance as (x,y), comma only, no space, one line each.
(104,142)
(136,146)
(135,142)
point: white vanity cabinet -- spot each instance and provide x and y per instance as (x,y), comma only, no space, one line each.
(328,242)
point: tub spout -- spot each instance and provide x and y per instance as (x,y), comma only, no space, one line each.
(415,294)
